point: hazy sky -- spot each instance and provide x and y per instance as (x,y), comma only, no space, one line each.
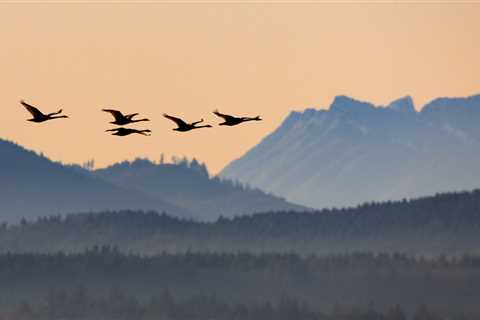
(247,59)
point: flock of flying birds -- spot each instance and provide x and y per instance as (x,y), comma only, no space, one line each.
(122,120)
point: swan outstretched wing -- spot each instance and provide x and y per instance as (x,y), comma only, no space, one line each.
(178,121)
(224,116)
(34,111)
(115,113)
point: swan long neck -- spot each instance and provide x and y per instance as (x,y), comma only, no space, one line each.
(54,113)
(139,120)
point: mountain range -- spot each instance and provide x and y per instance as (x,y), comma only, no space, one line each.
(31,185)
(187,184)
(355,152)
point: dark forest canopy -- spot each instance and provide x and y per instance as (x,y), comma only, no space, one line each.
(312,257)
(449,286)
(118,305)
(442,224)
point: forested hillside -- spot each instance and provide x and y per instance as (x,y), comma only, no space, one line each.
(187,184)
(443,224)
(449,287)
(31,186)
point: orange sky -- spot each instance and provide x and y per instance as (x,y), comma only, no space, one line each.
(188,59)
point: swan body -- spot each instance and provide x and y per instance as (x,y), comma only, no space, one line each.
(233,121)
(183,126)
(39,116)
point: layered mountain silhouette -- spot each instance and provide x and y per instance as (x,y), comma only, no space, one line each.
(446,224)
(31,185)
(356,152)
(188,185)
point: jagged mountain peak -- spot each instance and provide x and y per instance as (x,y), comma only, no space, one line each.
(305,114)
(452,104)
(343,103)
(404,104)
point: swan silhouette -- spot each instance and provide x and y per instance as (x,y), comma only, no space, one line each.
(233,121)
(39,116)
(121,119)
(127,131)
(183,126)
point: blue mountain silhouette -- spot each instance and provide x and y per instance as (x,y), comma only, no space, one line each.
(356,152)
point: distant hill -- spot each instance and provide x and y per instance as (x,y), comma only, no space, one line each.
(443,224)
(188,185)
(32,185)
(356,152)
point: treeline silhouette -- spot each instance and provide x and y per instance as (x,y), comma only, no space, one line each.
(182,188)
(449,286)
(443,224)
(187,184)
(117,305)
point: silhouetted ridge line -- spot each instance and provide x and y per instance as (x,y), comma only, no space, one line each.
(182,188)
(443,224)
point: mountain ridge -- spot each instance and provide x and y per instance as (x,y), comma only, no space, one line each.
(188,185)
(32,185)
(319,158)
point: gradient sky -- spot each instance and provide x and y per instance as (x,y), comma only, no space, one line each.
(246,59)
